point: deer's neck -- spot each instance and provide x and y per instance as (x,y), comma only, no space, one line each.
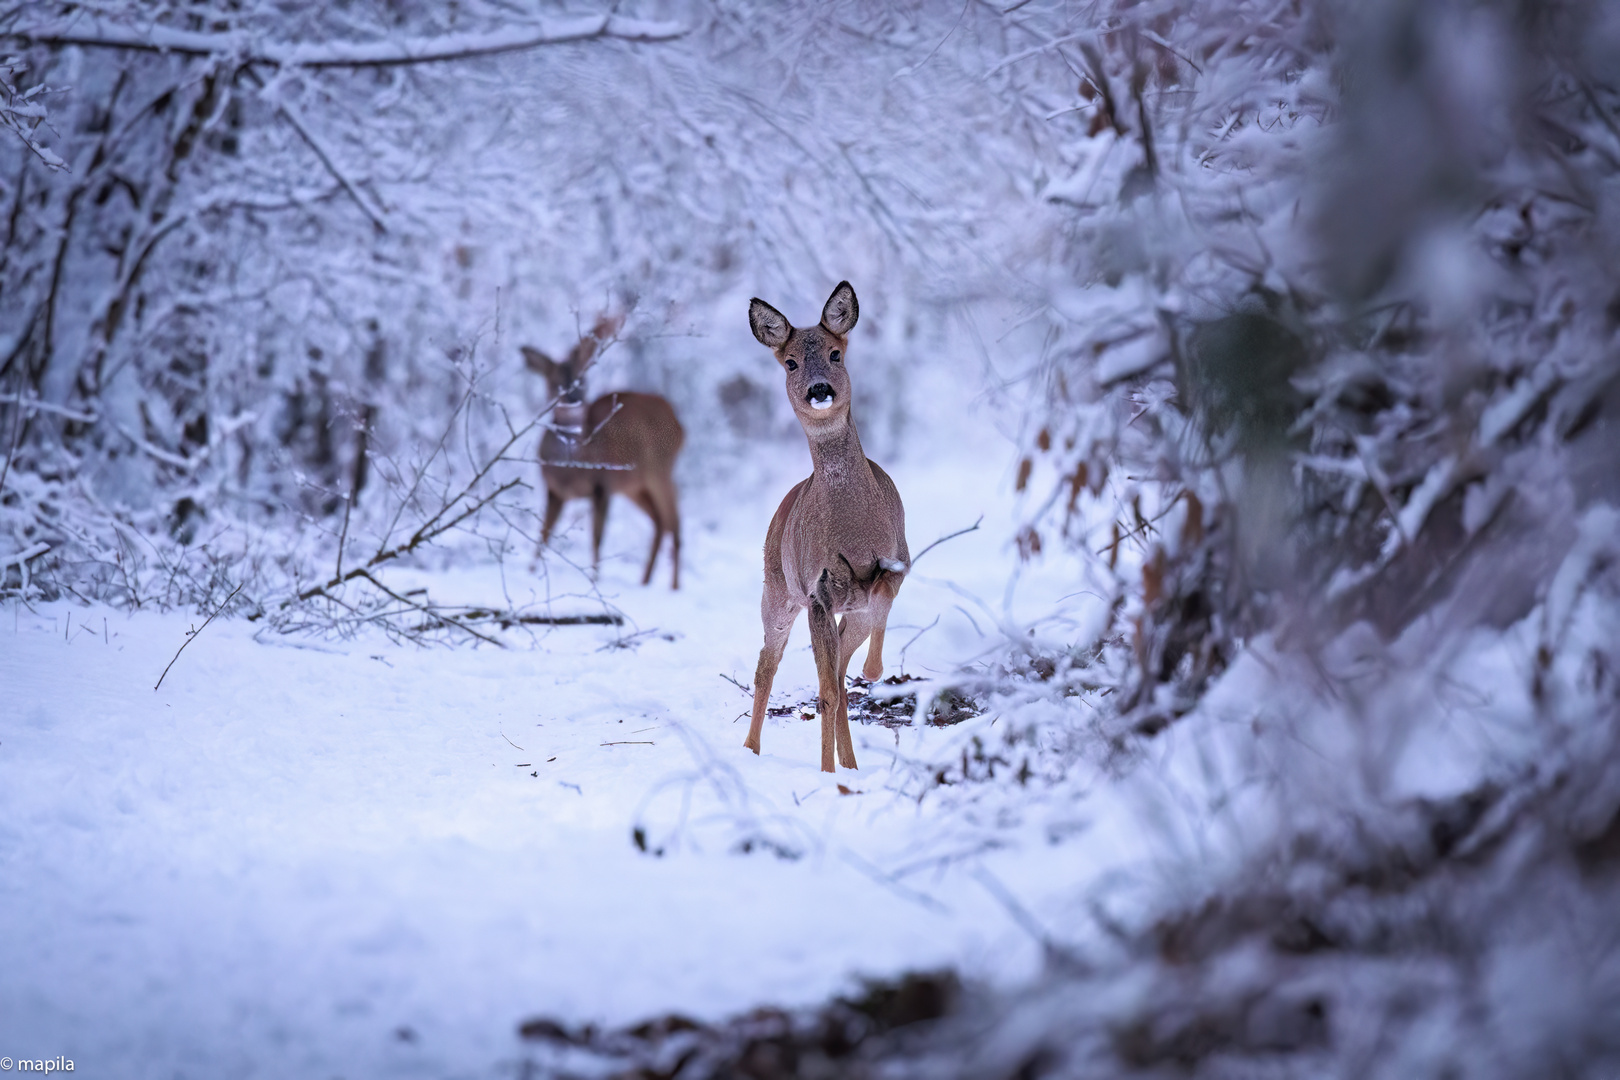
(838,459)
(568,418)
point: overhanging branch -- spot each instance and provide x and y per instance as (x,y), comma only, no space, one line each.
(94,33)
(290,114)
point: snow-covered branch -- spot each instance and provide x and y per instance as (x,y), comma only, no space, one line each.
(91,32)
(23,111)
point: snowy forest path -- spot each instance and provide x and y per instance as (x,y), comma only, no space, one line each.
(296,836)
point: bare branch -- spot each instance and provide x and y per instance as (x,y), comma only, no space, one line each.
(289,114)
(435,526)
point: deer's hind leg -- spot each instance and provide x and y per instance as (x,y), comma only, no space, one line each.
(670,511)
(882,598)
(777,612)
(661,493)
(644,499)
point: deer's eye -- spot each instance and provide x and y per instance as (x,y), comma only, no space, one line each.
(793,365)
(835,356)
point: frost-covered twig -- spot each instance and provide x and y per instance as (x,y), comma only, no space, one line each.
(781,835)
(948,536)
(31,404)
(442,520)
(436,526)
(23,111)
(20,560)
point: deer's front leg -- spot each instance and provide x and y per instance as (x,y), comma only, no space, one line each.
(856,625)
(824,643)
(777,611)
(599,508)
(554,508)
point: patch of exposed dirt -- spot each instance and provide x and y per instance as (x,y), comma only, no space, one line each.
(844,1038)
(882,702)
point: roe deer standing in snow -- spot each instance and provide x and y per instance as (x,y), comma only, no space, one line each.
(623,442)
(837,544)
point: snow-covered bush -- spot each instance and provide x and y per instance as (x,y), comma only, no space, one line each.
(1337,360)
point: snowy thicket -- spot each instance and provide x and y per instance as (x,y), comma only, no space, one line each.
(1344,315)
(1305,312)
(1338,360)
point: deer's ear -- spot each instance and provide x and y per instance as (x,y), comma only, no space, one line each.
(768,324)
(839,316)
(538,362)
(606,328)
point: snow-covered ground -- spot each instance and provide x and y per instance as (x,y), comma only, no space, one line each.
(359,858)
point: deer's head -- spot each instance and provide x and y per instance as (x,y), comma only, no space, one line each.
(565,380)
(813,357)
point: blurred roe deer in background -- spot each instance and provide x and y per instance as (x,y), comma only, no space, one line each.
(623,442)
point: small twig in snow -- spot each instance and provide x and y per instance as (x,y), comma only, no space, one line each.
(191,635)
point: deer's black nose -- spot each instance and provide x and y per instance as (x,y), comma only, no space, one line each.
(820,395)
